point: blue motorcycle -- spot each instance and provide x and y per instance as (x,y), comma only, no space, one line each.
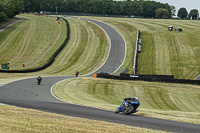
(128,106)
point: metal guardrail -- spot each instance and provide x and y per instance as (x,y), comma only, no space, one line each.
(138,48)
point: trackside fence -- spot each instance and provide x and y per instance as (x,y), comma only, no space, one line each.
(149,78)
(138,49)
(51,60)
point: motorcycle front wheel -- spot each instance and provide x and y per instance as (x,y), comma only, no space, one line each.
(128,110)
(116,111)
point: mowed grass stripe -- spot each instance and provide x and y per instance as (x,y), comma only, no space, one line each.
(32,38)
(157,99)
(22,44)
(14,119)
(174,53)
(86,50)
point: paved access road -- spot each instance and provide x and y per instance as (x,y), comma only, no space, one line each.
(11,23)
(26,93)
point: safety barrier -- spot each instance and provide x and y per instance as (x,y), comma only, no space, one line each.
(138,49)
(149,78)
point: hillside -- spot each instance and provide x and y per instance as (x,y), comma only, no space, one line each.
(163,52)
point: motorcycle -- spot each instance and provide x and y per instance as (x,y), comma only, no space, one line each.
(128,106)
(39,82)
(39,79)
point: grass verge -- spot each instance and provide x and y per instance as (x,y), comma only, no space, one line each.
(168,101)
(14,119)
(163,52)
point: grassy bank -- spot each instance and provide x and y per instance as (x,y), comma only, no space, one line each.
(86,50)
(6,22)
(28,42)
(21,120)
(163,52)
(169,101)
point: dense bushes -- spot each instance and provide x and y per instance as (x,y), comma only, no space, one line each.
(10,8)
(3,16)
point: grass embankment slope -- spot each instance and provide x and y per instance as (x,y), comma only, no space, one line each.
(7,22)
(28,43)
(168,101)
(163,52)
(161,108)
(21,120)
(86,51)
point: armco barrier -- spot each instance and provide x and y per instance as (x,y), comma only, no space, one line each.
(51,60)
(138,48)
(148,76)
(136,78)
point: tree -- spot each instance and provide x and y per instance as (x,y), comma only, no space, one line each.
(162,13)
(9,8)
(173,10)
(193,14)
(3,16)
(182,13)
(19,6)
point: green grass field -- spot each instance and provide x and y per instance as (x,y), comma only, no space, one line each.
(163,52)
(28,42)
(86,50)
(19,120)
(162,100)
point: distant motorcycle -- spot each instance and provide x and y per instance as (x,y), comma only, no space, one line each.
(39,79)
(128,106)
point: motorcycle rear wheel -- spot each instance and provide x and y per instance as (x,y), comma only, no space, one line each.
(128,110)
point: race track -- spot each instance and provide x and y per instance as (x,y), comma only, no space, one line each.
(198,77)
(26,93)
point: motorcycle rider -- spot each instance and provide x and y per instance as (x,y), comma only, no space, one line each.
(39,79)
(77,72)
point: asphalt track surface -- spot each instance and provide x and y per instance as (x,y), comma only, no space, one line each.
(26,93)
(198,77)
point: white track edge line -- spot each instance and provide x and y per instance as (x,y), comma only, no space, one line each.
(70,102)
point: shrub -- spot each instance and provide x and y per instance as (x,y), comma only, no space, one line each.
(3,16)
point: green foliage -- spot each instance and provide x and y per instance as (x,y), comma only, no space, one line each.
(162,13)
(106,7)
(182,13)
(3,16)
(19,6)
(11,7)
(194,14)
(173,9)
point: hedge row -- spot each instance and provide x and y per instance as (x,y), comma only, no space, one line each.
(150,78)
(44,66)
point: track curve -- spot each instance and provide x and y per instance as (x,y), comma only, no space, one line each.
(26,93)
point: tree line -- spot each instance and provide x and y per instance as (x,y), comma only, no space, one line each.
(10,8)
(136,8)
(143,8)
(183,13)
